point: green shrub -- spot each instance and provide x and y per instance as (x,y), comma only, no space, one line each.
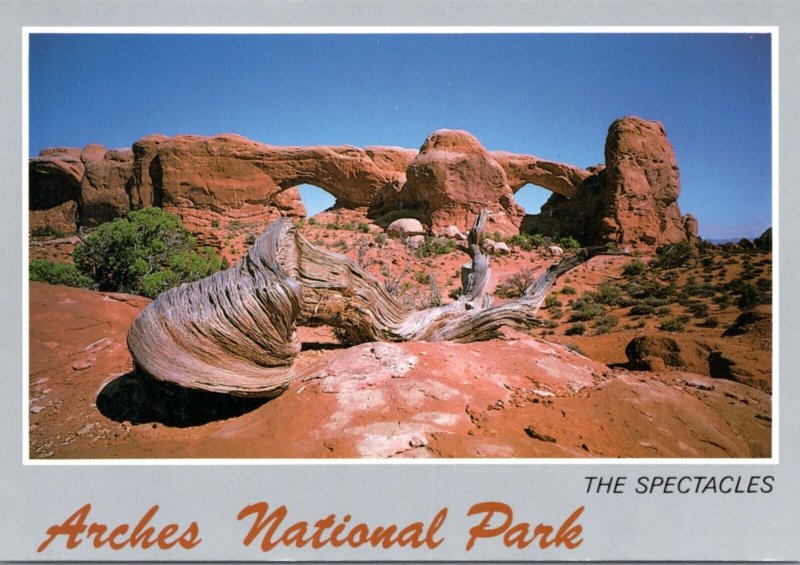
(567,243)
(583,311)
(539,240)
(576,329)
(433,246)
(750,296)
(526,241)
(651,290)
(569,290)
(514,285)
(700,290)
(673,255)
(434,293)
(422,277)
(155,283)
(699,309)
(655,301)
(456,293)
(634,268)
(523,241)
(65,274)
(607,293)
(195,265)
(710,322)
(640,323)
(46,232)
(119,255)
(723,301)
(642,310)
(575,349)
(551,301)
(605,324)
(670,277)
(676,324)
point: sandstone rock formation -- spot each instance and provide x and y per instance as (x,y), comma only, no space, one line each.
(103,194)
(643,181)
(630,200)
(54,187)
(764,241)
(651,353)
(748,362)
(231,171)
(451,180)
(207,181)
(454,177)
(71,186)
(521,169)
(691,227)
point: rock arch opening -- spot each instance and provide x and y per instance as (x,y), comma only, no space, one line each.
(315,199)
(532,197)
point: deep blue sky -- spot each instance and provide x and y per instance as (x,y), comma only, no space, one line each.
(551,95)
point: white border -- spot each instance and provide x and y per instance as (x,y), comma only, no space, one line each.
(366,30)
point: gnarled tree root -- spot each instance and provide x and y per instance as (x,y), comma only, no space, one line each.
(234,332)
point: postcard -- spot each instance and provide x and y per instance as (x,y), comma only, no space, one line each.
(313,287)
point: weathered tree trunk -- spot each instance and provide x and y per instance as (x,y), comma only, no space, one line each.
(234,332)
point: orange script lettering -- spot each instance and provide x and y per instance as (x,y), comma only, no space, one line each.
(75,530)
(521,535)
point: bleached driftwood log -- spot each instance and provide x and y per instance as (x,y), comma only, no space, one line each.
(234,332)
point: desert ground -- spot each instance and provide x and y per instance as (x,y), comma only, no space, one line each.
(627,362)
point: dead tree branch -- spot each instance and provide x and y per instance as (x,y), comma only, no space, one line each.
(234,331)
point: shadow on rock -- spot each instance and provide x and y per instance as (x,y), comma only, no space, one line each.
(140,399)
(322,346)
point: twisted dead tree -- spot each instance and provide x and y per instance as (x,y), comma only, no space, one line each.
(234,332)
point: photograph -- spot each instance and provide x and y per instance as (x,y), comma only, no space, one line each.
(398,244)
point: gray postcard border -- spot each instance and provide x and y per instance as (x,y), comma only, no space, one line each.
(623,527)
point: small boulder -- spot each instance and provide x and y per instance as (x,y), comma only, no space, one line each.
(415,241)
(405,227)
(501,248)
(555,251)
(764,241)
(488,245)
(653,353)
(450,231)
(82,365)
